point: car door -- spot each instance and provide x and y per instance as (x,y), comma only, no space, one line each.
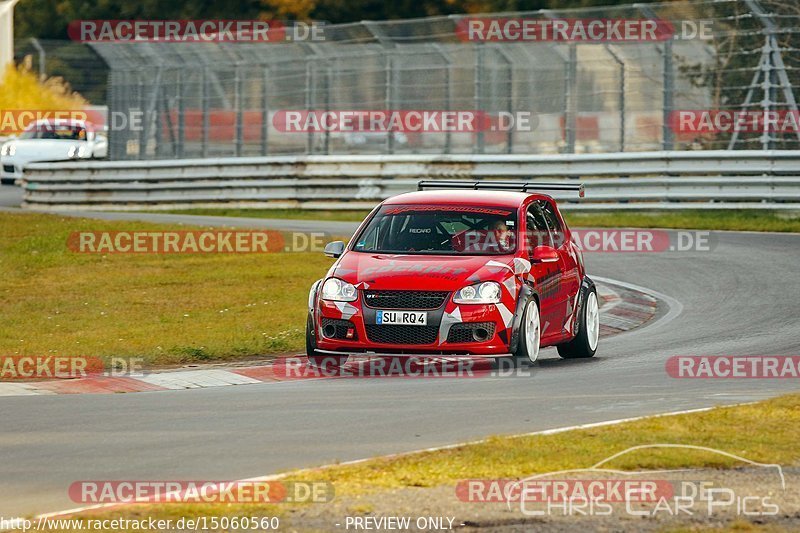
(570,274)
(547,275)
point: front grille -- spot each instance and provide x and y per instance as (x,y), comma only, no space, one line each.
(463,332)
(400,334)
(8,168)
(405,299)
(341,327)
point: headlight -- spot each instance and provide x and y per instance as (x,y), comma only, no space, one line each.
(77,151)
(487,292)
(338,290)
(8,149)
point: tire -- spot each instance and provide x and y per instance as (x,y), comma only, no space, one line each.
(530,334)
(316,359)
(584,345)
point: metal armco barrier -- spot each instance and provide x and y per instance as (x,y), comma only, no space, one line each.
(673,180)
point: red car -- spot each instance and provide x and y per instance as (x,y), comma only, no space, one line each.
(476,268)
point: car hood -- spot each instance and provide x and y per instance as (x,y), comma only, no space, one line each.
(32,150)
(420,272)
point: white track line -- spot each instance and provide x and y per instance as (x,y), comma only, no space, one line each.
(294,473)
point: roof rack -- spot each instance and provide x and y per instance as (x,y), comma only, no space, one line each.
(492,185)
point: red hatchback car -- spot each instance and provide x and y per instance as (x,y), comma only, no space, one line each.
(475,268)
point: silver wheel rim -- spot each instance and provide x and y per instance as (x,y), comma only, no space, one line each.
(532,331)
(592,320)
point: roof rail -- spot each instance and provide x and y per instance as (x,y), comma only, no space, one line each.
(494,185)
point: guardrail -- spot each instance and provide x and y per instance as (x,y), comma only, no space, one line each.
(674,180)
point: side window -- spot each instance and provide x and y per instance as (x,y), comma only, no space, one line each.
(553,224)
(375,237)
(537,234)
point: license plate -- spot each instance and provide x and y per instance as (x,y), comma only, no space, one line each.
(406,318)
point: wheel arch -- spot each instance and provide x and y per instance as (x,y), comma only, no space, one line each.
(526,293)
(587,285)
(313,294)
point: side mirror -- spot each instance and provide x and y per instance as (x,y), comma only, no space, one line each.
(334,249)
(544,254)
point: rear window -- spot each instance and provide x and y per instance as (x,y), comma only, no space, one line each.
(63,132)
(440,230)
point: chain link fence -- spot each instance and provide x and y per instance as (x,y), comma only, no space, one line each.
(222,99)
(77,63)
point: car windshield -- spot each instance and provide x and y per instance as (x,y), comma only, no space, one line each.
(60,132)
(441,230)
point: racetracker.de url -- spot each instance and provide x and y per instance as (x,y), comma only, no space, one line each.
(197,523)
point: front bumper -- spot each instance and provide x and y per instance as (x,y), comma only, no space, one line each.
(9,171)
(449,331)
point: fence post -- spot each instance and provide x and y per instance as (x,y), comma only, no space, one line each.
(42,58)
(668,82)
(621,102)
(448,91)
(571,102)
(265,112)
(327,92)
(205,104)
(389,98)
(309,102)
(669,96)
(478,94)
(239,99)
(179,145)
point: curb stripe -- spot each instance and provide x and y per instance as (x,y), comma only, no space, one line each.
(624,307)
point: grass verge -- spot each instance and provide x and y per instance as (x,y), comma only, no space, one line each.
(772,436)
(167,309)
(734,220)
(286,214)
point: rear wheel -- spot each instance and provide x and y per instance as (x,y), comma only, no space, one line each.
(585,342)
(316,359)
(530,334)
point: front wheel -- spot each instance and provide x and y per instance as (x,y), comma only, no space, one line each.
(530,334)
(584,344)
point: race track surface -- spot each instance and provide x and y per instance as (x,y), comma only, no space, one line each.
(739,299)
(10,195)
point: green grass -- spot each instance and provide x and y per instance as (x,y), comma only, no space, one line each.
(738,220)
(773,430)
(734,220)
(168,309)
(286,214)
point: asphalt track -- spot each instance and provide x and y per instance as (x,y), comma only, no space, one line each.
(739,299)
(10,195)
